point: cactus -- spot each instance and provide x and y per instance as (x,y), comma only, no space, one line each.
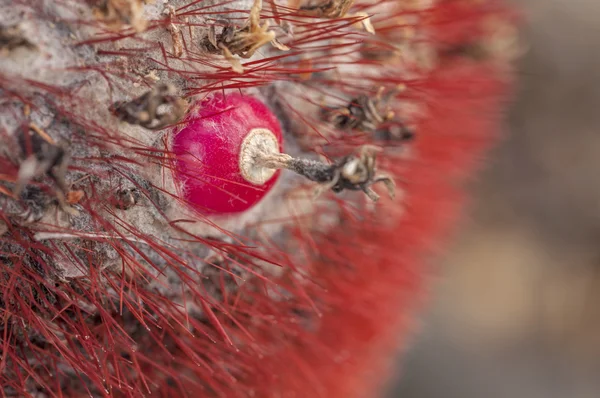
(189,189)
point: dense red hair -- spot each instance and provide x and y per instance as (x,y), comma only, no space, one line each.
(329,327)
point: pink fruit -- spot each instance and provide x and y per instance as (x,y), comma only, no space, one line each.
(107,290)
(213,154)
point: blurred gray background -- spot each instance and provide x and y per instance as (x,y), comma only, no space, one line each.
(516,308)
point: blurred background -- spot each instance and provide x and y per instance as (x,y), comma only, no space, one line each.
(516,308)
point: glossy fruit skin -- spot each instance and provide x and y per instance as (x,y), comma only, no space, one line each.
(207,151)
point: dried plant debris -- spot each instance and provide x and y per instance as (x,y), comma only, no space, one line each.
(126,198)
(326,8)
(369,115)
(36,155)
(397,132)
(331,9)
(372,52)
(362,113)
(154,110)
(13,37)
(116,14)
(31,206)
(353,173)
(474,51)
(73,197)
(175,33)
(42,156)
(242,41)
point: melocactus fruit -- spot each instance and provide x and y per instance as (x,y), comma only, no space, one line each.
(215,150)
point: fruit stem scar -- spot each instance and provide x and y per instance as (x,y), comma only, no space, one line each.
(257,145)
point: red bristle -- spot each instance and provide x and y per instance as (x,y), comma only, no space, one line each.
(313,309)
(362,326)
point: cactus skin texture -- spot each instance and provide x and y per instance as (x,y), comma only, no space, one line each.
(114,283)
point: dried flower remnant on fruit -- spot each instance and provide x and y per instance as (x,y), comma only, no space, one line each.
(331,9)
(116,14)
(353,173)
(154,110)
(11,38)
(242,41)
